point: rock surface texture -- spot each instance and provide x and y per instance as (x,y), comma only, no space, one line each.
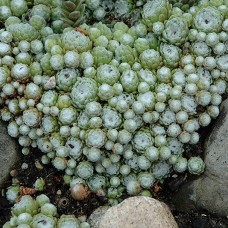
(95,218)
(210,190)
(8,153)
(137,212)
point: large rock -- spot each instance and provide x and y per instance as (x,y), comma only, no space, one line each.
(210,190)
(8,153)
(135,212)
(95,218)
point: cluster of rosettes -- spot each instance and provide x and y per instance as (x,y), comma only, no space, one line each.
(112,107)
(128,10)
(103,10)
(30,19)
(40,213)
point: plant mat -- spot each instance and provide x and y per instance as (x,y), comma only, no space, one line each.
(59,193)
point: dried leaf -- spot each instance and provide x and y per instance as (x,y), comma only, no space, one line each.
(84,32)
(27,191)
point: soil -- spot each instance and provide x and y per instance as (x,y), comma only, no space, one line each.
(55,189)
(59,193)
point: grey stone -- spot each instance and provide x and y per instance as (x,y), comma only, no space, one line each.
(138,211)
(210,190)
(8,153)
(95,218)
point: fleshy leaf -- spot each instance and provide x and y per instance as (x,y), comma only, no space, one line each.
(74,15)
(69,6)
(80,8)
(65,13)
(78,3)
(67,21)
(79,22)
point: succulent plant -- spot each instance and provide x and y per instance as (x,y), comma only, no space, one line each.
(183,4)
(155,10)
(39,212)
(72,13)
(110,105)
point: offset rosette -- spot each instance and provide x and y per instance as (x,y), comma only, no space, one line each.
(72,13)
(155,10)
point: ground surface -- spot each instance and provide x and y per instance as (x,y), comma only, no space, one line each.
(59,193)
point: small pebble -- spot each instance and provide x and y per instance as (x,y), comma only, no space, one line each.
(24,166)
(79,192)
(82,218)
(38,165)
(59,192)
(13,173)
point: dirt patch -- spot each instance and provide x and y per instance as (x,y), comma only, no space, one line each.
(55,189)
